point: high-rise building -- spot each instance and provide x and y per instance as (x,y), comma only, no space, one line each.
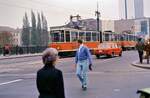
(126,9)
(130,9)
(138,7)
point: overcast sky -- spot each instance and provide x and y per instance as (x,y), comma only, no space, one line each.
(57,12)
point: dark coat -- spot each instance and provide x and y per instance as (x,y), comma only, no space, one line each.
(140,46)
(50,83)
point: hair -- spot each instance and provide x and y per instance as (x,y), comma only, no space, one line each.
(80,41)
(139,39)
(49,56)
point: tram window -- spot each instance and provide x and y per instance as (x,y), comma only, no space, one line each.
(62,37)
(74,36)
(103,37)
(82,35)
(122,37)
(131,37)
(88,36)
(98,36)
(94,36)
(116,37)
(67,36)
(112,37)
(55,37)
(126,37)
(106,37)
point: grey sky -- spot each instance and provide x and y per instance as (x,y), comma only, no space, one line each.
(57,12)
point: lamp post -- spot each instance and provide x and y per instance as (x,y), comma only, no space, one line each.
(97,13)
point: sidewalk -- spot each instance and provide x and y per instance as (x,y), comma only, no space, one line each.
(19,56)
(143,65)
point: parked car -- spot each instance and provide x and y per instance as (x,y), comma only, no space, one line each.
(109,49)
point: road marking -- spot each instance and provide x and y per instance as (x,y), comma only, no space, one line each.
(10,82)
(116,90)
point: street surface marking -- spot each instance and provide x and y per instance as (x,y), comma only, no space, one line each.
(10,82)
(116,90)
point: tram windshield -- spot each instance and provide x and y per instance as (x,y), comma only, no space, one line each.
(57,36)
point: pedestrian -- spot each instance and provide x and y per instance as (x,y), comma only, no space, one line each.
(140,49)
(4,51)
(147,49)
(49,79)
(17,48)
(83,63)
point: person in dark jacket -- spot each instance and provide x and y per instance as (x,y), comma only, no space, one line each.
(50,79)
(140,48)
(147,49)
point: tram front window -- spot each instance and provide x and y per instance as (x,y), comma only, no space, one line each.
(55,37)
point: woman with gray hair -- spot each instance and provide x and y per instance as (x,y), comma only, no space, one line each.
(49,79)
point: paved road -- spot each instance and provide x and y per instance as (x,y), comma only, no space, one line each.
(111,78)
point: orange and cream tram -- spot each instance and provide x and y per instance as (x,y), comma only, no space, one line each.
(126,41)
(64,40)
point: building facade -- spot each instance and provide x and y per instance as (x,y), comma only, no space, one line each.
(15,34)
(142,27)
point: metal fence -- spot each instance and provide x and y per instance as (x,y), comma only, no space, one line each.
(24,50)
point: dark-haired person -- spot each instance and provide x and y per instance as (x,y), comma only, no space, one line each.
(49,79)
(140,49)
(83,63)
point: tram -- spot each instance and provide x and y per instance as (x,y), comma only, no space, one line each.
(125,40)
(64,40)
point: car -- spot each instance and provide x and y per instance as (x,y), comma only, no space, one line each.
(109,49)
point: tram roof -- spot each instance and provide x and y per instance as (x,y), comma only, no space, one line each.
(69,29)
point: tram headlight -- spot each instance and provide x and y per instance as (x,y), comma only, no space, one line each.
(58,47)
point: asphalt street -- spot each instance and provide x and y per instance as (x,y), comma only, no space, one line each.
(110,78)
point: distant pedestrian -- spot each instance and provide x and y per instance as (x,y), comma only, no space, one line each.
(6,50)
(50,79)
(17,48)
(83,62)
(20,50)
(140,49)
(147,49)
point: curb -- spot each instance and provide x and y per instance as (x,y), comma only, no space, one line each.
(135,63)
(20,56)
